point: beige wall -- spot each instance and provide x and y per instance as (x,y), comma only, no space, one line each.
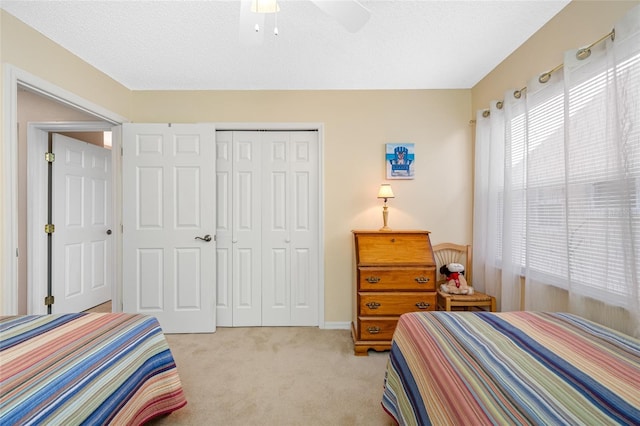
(357,125)
(28,50)
(579,24)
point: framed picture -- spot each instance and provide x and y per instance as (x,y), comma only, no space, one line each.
(400,160)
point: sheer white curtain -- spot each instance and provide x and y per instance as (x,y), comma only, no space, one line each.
(557,193)
(489,270)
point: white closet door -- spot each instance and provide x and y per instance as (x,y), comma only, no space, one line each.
(305,228)
(290,229)
(267,228)
(224,230)
(238,189)
(276,229)
(246,223)
(168,193)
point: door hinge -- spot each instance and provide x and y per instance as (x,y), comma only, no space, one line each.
(50,157)
(49,300)
(49,228)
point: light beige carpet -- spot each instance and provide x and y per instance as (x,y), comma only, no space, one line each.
(277,376)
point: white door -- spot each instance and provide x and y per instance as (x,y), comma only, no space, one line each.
(239,257)
(290,228)
(168,179)
(82,270)
(267,206)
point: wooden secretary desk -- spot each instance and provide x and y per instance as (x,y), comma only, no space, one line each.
(395,273)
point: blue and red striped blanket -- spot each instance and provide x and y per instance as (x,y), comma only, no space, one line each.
(516,368)
(85,368)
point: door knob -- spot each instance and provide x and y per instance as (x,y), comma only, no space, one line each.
(206,238)
(108,231)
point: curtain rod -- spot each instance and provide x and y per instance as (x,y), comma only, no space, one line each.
(581,54)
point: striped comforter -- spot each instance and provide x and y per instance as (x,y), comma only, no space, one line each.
(477,368)
(85,369)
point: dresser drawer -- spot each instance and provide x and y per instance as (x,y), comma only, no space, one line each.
(379,303)
(394,249)
(398,278)
(376,328)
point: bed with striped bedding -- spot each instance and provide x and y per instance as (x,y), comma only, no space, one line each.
(515,368)
(85,368)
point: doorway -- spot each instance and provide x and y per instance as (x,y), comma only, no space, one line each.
(15,250)
(82,252)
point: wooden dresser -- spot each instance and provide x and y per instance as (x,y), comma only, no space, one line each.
(395,273)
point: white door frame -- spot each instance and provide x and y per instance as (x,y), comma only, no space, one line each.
(14,77)
(319,127)
(37,144)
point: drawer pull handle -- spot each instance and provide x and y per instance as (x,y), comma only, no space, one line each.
(422,280)
(373,330)
(373,280)
(423,305)
(373,305)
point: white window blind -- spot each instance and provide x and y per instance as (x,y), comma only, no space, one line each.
(603,169)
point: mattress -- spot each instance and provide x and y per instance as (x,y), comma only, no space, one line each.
(85,368)
(522,368)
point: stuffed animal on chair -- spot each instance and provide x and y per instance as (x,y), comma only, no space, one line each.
(456,282)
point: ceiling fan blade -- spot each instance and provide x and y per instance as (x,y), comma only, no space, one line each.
(248,21)
(350,13)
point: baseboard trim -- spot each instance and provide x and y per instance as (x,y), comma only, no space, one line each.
(337,325)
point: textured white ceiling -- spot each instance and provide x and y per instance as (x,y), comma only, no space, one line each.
(195,45)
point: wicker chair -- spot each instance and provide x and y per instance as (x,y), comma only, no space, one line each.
(446,253)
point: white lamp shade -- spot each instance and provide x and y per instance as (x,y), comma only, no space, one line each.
(385,191)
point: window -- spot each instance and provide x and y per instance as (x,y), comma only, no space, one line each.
(572,169)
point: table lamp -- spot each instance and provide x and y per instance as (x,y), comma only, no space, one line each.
(385,192)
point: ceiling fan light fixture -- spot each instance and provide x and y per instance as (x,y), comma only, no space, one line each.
(264,6)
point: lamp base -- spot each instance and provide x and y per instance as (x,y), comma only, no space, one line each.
(385,218)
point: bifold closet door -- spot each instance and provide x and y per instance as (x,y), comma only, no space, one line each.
(239,233)
(290,229)
(267,229)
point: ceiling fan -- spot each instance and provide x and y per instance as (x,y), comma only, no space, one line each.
(349,13)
